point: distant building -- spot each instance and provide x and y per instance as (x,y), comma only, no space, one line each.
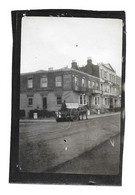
(110,87)
(110,83)
(89,68)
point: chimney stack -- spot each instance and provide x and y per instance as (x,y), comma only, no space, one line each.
(74,64)
(89,67)
(89,60)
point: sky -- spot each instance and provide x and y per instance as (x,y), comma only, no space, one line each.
(56,41)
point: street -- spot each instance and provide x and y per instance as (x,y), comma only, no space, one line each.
(103,159)
(45,145)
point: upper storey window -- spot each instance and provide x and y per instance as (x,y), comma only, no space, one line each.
(83,82)
(89,84)
(43,82)
(58,81)
(30,83)
(76,81)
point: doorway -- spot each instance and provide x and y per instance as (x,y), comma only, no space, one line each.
(111,103)
(44,102)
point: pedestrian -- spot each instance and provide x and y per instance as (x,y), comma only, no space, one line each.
(64,106)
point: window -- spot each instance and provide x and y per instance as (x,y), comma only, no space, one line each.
(43,82)
(93,84)
(58,81)
(108,87)
(97,85)
(76,81)
(95,100)
(98,100)
(30,101)
(83,82)
(105,74)
(102,73)
(59,100)
(80,99)
(84,99)
(101,86)
(89,84)
(30,83)
(114,79)
(105,87)
(106,101)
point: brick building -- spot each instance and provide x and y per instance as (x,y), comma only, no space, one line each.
(98,86)
(110,83)
(48,89)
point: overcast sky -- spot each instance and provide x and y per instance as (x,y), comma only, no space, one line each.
(56,41)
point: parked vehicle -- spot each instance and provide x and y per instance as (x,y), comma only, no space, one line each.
(71,112)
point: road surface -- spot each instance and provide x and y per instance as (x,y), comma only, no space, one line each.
(101,160)
(44,145)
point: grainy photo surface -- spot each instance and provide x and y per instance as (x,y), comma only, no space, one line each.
(70,99)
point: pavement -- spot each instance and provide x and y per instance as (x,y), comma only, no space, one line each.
(54,120)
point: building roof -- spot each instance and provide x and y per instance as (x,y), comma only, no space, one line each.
(108,66)
(64,69)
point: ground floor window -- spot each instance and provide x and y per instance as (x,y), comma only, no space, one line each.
(106,101)
(84,99)
(59,99)
(80,99)
(30,101)
(97,100)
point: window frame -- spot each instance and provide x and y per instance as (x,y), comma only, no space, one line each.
(59,102)
(29,85)
(84,99)
(76,81)
(93,84)
(41,83)
(30,104)
(81,99)
(89,84)
(56,82)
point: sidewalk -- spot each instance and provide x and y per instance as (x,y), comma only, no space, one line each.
(102,115)
(53,119)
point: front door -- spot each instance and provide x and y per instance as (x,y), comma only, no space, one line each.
(89,101)
(44,102)
(111,103)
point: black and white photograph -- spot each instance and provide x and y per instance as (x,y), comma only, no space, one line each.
(68,95)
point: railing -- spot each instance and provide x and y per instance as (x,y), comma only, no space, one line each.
(96,91)
(109,93)
(86,89)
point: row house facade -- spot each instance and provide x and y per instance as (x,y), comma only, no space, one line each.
(110,85)
(48,89)
(98,86)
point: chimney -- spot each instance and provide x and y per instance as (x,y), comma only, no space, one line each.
(89,61)
(50,69)
(89,66)
(74,65)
